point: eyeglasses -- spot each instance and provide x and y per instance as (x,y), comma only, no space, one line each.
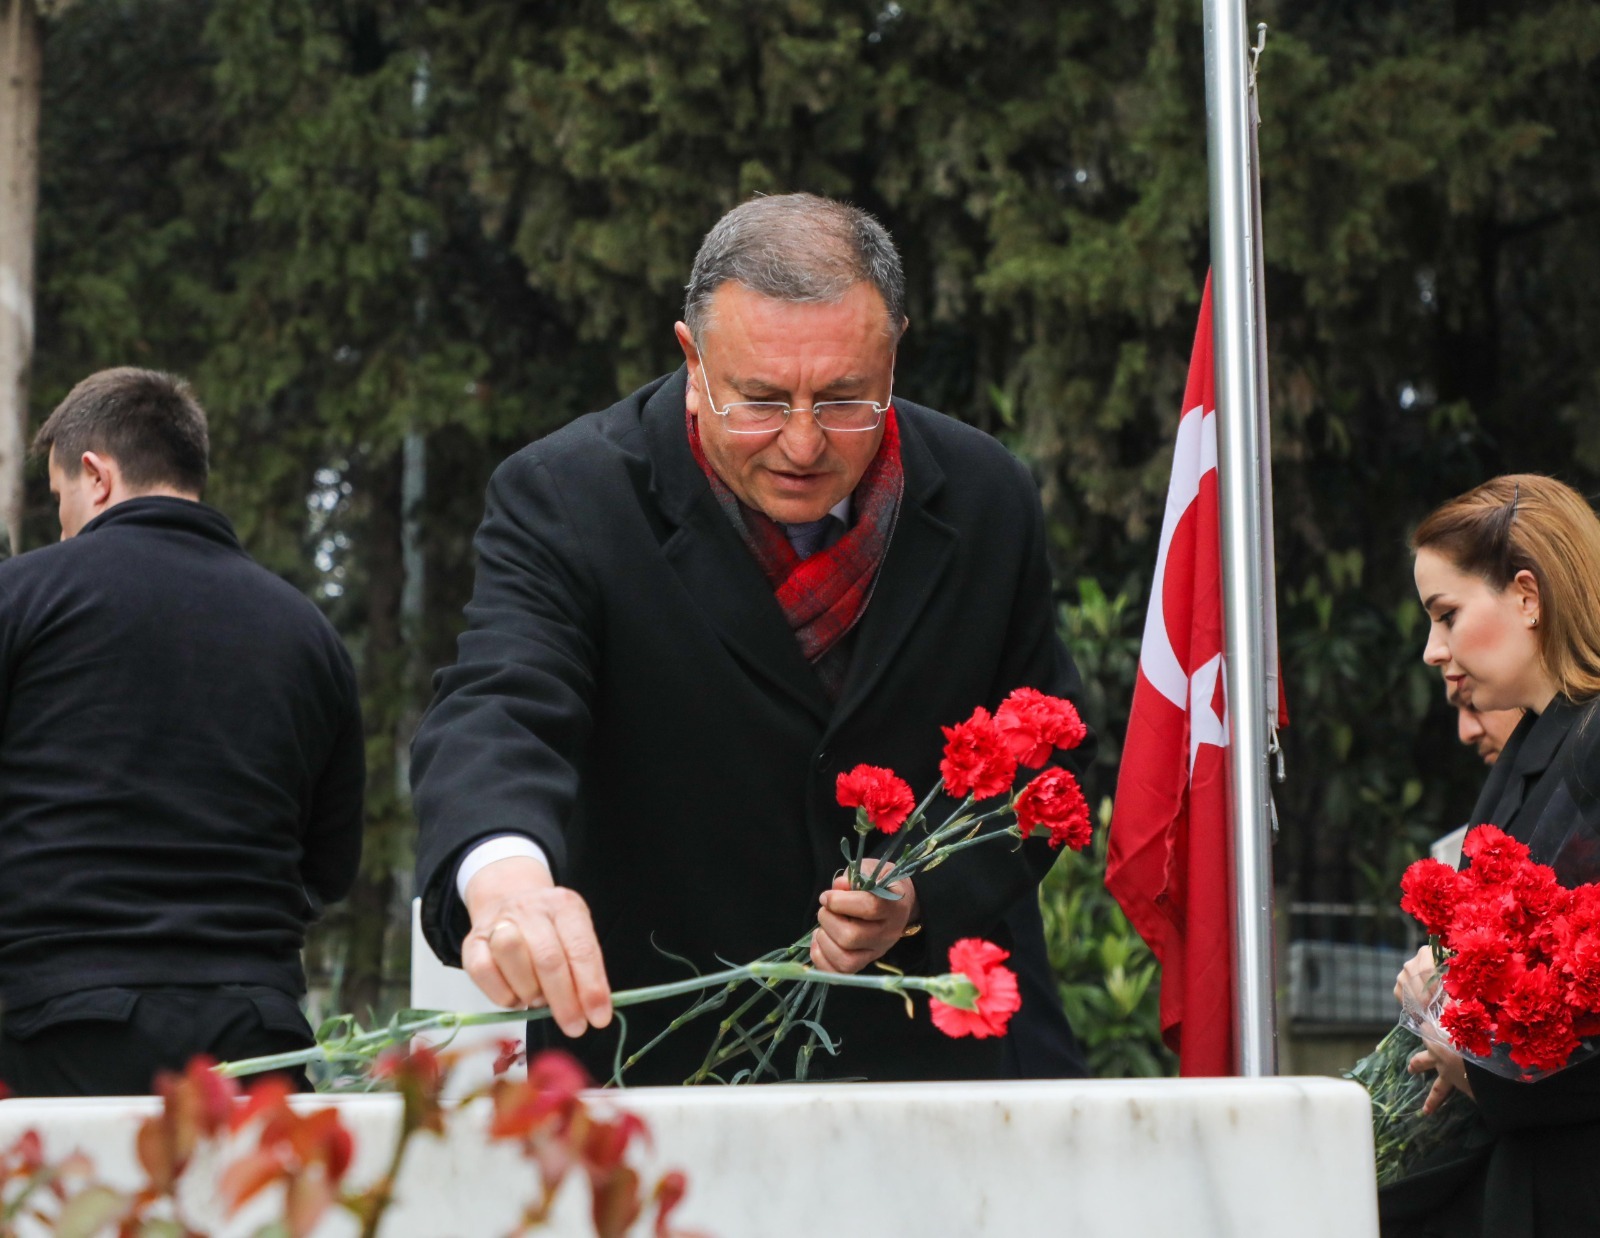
(770,416)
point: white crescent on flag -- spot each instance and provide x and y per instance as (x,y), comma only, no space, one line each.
(1198,694)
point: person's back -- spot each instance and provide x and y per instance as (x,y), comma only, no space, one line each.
(180,784)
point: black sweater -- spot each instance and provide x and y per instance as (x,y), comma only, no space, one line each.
(181,760)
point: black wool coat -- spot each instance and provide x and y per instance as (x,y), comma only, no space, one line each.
(1529,1169)
(629,695)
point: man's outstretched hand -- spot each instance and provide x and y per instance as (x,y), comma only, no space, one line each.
(533,944)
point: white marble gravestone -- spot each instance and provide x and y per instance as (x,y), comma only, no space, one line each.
(1219,1158)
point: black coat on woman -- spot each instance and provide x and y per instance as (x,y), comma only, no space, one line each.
(1528,1169)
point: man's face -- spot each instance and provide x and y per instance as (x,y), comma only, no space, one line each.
(1485,730)
(75,497)
(757,348)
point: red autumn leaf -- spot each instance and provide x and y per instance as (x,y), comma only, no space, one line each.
(606,1145)
(512,1053)
(615,1201)
(268,1096)
(306,1197)
(248,1176)
(669,1194)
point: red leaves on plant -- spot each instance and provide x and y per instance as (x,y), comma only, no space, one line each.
(1032,723)
(998,998)
(195,1105)
(418,1074)
(1054,801)
(885,798)
(669,1194)
(614,1201)
(559,1132)
(977,761)
(547,1098)
(309,1153)
(512,1052)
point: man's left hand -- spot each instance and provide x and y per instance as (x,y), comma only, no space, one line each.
(855,927)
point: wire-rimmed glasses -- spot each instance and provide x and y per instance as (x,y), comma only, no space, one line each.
(770,416)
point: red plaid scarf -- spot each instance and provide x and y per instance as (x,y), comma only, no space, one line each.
(823,597)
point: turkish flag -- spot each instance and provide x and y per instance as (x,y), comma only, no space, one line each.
(1168,861)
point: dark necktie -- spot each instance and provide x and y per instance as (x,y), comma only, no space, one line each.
(814,535)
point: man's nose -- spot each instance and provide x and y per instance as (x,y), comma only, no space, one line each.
(803,439)
(1468,729)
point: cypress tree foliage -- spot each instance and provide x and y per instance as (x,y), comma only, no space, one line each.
(463,224)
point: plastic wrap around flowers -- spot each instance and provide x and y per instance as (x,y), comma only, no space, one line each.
(1520,956)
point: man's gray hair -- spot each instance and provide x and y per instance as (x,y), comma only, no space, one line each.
(796,247)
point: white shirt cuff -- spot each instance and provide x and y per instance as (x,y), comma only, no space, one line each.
(500,847)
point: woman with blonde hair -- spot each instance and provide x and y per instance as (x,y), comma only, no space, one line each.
(1509,574)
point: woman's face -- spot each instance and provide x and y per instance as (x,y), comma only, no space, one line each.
(1483,640)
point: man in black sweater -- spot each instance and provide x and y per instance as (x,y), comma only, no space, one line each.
(181,764)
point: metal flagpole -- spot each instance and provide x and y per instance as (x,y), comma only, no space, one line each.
(1233,263)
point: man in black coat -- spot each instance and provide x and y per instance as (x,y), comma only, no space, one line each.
(181,764)
(693,611)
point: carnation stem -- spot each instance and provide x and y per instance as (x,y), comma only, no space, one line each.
(364,1045)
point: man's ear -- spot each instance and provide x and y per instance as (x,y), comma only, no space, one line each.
(103,476)
(691,356)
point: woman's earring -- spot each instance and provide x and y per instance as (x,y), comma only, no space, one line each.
(1534,622)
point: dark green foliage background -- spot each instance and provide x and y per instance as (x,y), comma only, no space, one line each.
(353,221)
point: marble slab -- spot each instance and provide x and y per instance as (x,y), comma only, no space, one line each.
(1220,1158)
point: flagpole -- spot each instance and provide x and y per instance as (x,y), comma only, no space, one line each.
(1238,475)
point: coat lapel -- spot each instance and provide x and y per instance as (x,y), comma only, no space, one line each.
(1542,738)
(715,566)
(919,552)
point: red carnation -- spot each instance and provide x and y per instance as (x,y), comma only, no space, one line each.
(998,998)
(1431,892)
(1579,965)
(1485,966)
(1055,802)
(882,795)
(1495,855)
(1034,723)
(1470,1027)
(976,759)
(1536,1022)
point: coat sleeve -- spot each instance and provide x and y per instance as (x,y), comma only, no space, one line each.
(498,750)
(969,896)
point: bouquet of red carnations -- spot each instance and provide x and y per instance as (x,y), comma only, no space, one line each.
(1519,954)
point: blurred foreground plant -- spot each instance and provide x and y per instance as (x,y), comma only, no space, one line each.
(261,1142)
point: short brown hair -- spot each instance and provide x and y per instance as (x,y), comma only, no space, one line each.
(148,422)
(1528,522)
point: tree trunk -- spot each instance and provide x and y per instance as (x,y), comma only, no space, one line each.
(19,197)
